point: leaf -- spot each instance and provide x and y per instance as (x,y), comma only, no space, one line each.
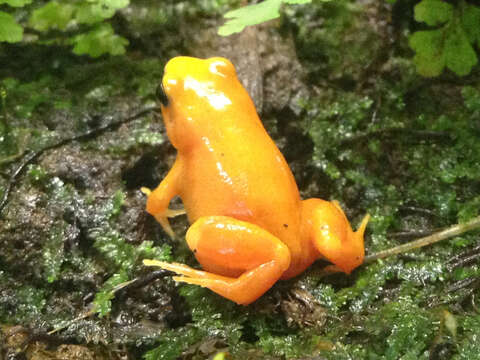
(433,12)
(99,9)
(451,45)
(471,23)
(254,14)
(15,3)
(52,16)
(429,57)
(250,15)
(86,14)
(459,54)
(10,31)
(99,41)
(295,2)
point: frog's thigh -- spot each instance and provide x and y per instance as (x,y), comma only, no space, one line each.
(243,259)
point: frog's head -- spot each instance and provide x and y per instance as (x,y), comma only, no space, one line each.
(195,94)
(332,235)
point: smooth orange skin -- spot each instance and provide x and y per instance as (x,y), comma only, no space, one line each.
(250,226)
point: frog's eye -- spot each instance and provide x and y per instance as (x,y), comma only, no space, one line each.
(221,66)
(161,95)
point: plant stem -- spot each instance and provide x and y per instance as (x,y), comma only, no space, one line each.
(431,239)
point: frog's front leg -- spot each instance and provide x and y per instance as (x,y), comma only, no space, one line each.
(159,199)
(242,260)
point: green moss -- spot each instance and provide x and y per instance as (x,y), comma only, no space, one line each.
(37,175)
(20,100)
(403,330)
(336,53)
(113,207)
(122,258)
(288,346)
(32,302)
(53,254)
(103,298)
(367,287)
(121,255)
(423,271)
(28,96)
(471,96)
(212,315)
(172,343)
(469,347)
(20,303)
(332,123)
(213,318)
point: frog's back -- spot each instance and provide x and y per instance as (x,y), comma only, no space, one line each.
(237,170)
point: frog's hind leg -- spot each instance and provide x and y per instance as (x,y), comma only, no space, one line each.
(242,260)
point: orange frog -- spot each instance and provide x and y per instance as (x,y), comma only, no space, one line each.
(249,225)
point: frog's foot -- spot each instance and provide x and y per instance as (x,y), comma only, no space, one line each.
(243,290)
(161,216)
(242,260)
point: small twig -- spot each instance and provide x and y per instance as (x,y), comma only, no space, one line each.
(142,281)
(29,156)
(462,284)
(11,158)
(81,317)
(22,142)
(464,261)
(464,258)
(411,234)
(428,240)
(32,155)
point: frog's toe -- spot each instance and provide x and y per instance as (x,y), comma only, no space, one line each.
(174,212)
(163,220)
(146,191)
(181,269)
(208,283)
(177,268)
